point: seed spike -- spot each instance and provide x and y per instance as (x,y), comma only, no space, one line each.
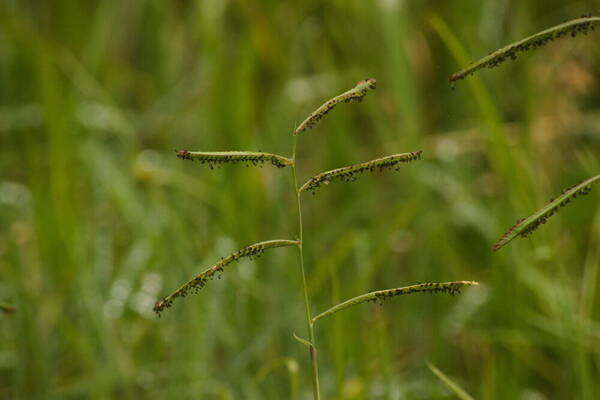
(247,157)
(348,174)
(525,227)
(357,93)
(380,296)
(571,28)
(199,281)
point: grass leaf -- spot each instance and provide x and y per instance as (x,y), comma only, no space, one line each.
(199,281)
(526,226)
(458,391)
(302,340)
(357,93)
(347,174)
(223,157)
(381,295)
(572,28)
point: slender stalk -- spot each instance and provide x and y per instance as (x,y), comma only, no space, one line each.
(309,323)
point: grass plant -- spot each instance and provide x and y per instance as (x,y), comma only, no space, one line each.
(99,219)
(343,174)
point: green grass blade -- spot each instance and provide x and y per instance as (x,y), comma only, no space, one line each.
(526,226)
(458,391)
(347,174)
(302,340)
(357,93)
(572,28)
(200,280)
(253,158)
(381,295)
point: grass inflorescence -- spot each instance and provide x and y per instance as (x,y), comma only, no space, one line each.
(213,159)
(525,227)
(569,28)
(357,93)
(380,296)
(200,280)
(348,174)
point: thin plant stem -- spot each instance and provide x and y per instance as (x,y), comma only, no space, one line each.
(311,334)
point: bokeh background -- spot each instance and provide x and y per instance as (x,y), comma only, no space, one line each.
(98,218)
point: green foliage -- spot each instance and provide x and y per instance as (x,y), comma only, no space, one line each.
(98,219)
(458,391)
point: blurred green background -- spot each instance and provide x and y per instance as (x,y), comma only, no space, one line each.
(98,218)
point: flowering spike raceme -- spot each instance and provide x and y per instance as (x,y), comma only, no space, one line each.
(381,295)
(357,93)
(524,227)
(569,28)
(199,281)
(223,157)
(348,174)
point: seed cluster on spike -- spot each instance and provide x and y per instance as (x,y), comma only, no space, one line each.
(380,296)
(357,93)
(430,287)
(543,218)
(348,174)
(199,281)
(570,28)
(525,226)
(249,158)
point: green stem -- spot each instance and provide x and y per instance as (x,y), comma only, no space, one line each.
(311,334)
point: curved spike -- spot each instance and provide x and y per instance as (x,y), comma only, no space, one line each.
(380,295)
(357,93)
(199,281)
(572,28)
(348,173)
(222,157)
(524,227)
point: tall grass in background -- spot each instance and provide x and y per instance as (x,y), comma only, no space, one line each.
(92,212)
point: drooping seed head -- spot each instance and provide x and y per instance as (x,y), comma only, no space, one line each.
(349,174)
(525,227)
(213,159)
(570,28)
(380,296)
(199,281)
(357,93)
